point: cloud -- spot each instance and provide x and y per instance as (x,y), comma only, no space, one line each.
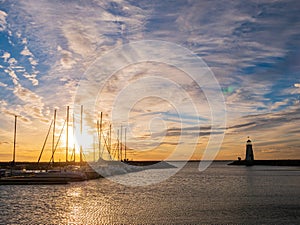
(26,51)
(5,56)
(251,47)
(242,125)
(236,40)
(67,61)
(279,104)
(3,85)
(32,78)
(8,111)
(270,151)
(33,103)
(12,61)
(278,130)
(80,41)
(3,23)
(32,61)
(13,75)
(85,29)
(25,94)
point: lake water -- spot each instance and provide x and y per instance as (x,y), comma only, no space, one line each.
(220,195)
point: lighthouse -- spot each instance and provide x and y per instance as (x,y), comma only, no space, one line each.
(249,151)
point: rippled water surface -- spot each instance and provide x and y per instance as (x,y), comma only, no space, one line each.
(221,194)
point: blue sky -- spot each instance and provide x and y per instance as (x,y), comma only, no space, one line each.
(253,49)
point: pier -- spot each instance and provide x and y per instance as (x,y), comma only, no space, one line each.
(282,162)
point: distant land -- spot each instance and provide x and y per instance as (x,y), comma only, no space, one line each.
(283,162)
(47,165)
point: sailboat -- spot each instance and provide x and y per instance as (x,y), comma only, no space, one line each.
(57,176)
(19,177)
(71,173)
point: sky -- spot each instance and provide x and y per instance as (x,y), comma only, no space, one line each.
(50,50)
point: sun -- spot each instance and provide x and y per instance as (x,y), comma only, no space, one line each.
(72,142)
(75,140)
(70,139)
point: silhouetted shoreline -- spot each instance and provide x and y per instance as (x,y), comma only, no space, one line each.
(283,162)
(45,165)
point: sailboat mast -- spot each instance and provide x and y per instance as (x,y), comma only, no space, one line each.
(118,146)
(100,134)
(67,134)
(110,151)
(15,139)
(81,113)
(98,137)
(45,142)
(121,143)
(94,147)
(125,144)
(74,147)
(53,136)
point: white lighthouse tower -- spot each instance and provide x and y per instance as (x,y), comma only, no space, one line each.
(249,151)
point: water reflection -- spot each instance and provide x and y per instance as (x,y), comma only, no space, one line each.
(74,192)
(221,194)
(84,205)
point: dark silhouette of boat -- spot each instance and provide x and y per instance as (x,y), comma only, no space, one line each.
(30,180)
(60,176)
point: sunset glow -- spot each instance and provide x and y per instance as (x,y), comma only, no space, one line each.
(251,50)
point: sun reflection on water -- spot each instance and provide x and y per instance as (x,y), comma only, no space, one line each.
(81,210)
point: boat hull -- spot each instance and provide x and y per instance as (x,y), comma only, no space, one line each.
(32,180)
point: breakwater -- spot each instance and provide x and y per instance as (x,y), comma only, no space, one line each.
(284,162)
